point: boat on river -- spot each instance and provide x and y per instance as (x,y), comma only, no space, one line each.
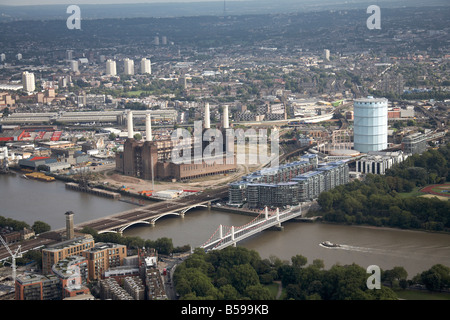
(330,244)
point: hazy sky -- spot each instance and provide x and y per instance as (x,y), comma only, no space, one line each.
(39,2)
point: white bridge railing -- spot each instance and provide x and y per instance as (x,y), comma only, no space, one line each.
(225,236)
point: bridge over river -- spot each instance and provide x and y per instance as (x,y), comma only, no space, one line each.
(149,214)
(225,236)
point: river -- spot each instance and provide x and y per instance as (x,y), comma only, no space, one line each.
(416,251)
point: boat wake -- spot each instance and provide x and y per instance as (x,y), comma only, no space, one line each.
(350,248)
(359,249)
(365,250)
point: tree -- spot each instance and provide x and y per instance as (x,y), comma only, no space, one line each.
(198,282)
(288,274)
(40,227)
(229,292)
(6,112)
(318,263)
(243,276)
(258,292)
(325,200)
(299,261)
(164,245)
(395,275)
(436,278)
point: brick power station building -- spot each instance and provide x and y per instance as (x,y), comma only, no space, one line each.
(152,159)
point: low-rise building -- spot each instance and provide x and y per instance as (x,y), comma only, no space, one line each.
(379,162)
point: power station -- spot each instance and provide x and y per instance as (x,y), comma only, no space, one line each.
(152,159)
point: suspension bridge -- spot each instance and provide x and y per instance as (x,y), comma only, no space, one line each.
(225,236)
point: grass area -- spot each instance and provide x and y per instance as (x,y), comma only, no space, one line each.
(273,288)
(414,193)
(421,295)
(134,93)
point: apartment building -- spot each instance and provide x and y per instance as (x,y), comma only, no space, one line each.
(72,272)
(37,287)
(288,185)
(52,254)
(103,256)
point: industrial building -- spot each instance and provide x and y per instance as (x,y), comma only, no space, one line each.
(166,116)
(152,159)
(370,124)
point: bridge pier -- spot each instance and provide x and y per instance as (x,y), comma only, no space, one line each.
(276,228)
(182,215)
(152,223)
(278,217)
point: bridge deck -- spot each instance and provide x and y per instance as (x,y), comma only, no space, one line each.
(152,211)
(260,223)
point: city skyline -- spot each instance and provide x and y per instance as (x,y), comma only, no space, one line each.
(144,154)
(68,2)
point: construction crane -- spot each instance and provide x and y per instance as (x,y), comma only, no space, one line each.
(15,255)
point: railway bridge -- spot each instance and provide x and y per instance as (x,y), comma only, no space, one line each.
(151,213)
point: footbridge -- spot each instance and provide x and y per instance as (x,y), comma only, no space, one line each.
(226,236)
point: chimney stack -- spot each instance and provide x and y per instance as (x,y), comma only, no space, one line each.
(225,117)
(69,225)
(130,125)
(207,117)
(148,127)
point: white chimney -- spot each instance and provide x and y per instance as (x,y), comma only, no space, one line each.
(207,117)
(225,117)
(148,127)
(130,125)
